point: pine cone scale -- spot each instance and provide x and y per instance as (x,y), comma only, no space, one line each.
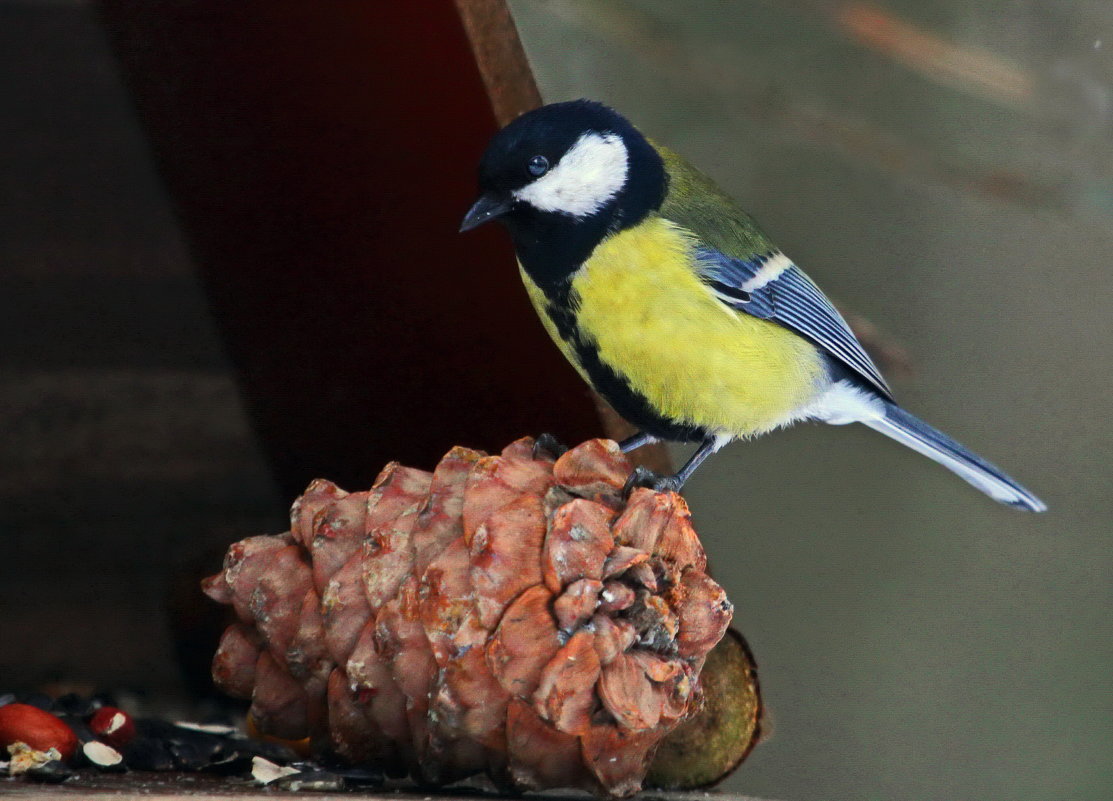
(319,494)
(524,642)
(617,757)
(444,598)
(628,695)
(354,735)
(234,663)
(388,556)
(344,609)
(542,756)
(577,604)
(307,655)
(705,613)
(370,682)
(504,556)
(337,535)
(496,481)
(279,704)
(244,564)
(577,543)
(566,691)
(474,688)
(439,522)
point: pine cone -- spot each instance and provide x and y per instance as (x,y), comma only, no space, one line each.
(504,614)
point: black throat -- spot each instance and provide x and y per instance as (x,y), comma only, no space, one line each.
(551,246)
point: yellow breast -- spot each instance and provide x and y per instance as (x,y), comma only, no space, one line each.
(695,359)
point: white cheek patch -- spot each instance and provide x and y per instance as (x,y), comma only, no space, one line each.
(590,174)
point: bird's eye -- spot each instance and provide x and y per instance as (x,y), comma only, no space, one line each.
(538,166)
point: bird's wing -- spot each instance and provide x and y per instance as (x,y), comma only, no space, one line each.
(748,272)
(771,287)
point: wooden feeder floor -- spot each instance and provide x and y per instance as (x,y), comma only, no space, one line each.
(199,786)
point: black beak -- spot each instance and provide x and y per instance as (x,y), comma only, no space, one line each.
(488,207)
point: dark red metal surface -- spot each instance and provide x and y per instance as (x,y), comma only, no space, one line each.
(320,156)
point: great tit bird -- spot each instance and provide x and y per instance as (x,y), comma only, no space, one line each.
(672,303)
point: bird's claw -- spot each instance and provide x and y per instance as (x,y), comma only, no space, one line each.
(644,477)
(548,444)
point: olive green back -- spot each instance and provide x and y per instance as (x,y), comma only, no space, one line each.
(697,203)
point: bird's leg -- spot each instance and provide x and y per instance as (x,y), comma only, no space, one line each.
(636,441)
(644,477)
(706,448)
(548,444)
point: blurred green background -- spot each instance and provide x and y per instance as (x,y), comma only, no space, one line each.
(945,170)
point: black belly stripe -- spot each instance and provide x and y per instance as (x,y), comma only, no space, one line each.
(613,386)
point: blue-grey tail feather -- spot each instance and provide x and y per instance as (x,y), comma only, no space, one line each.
(918,435)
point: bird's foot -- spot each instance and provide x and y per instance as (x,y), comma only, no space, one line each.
(636,441)
(644,477)
(547,444)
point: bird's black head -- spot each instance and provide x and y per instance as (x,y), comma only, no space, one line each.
(562,177)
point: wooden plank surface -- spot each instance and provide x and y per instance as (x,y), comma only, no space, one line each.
(199,787)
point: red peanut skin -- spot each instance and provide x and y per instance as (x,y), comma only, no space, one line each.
(102,721)
(22,723)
